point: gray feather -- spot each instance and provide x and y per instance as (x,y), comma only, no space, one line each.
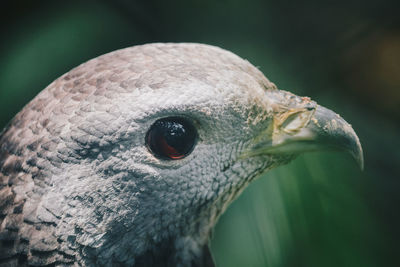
(78,185)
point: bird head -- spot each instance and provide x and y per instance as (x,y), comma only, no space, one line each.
(137,153)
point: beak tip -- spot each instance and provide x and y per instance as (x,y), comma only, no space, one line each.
(359,159)
(334,130)
(359,155)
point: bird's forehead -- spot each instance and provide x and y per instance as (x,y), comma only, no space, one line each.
(186,86)
(158,74)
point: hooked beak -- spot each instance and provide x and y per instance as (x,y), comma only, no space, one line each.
(300,125)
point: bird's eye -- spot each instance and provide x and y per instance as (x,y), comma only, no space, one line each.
(171,138)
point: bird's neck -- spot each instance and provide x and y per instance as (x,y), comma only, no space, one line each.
(182,251)
(187,241)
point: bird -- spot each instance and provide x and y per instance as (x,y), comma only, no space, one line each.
(130,158)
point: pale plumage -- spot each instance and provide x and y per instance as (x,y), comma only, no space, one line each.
(80,186)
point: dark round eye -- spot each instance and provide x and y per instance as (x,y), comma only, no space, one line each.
(171,138)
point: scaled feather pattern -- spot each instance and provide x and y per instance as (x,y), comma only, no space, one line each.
(79,186)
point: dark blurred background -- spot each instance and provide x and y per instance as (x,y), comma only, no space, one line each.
(320,210)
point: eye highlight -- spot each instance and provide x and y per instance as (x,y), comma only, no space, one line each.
(171,138)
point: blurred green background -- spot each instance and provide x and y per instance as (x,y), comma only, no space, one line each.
(320,210)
